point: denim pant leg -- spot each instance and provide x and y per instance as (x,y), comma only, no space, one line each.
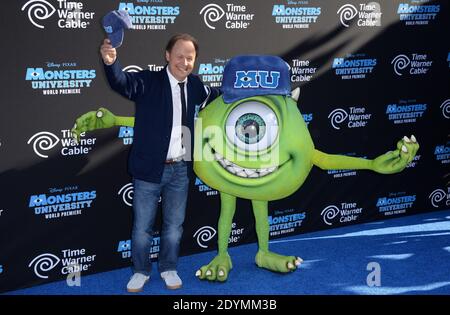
(174,198)
(145,207)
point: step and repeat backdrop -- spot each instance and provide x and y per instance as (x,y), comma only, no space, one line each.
(369,73)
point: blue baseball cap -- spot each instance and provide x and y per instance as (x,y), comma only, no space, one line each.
(114,23)
(251,75)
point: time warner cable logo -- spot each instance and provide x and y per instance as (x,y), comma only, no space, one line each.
(70,14)
(357,118)
(348,212)
(236,16)
(73,261)
(438,196)
(416,64)
(45,141)
(127,192)
(204,234)
(368,15)
(446,108)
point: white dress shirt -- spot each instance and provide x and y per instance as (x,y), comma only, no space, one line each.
(175,147)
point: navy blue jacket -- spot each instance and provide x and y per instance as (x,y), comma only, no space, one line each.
(151,92)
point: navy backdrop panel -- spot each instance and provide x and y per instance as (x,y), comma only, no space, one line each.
(370,73)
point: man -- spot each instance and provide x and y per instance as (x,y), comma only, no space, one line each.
(158,161)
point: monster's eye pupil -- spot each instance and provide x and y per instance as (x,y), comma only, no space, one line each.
(250,128)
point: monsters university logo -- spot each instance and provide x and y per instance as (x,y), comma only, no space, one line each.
(126,134)
(202,187)
(395,203)
(416,13)
(442,153)
(354,67)
(211,72)
(150,17)
(61,202)
(295,17)
(257,79)
(124,248)
(285,221)
(60,78)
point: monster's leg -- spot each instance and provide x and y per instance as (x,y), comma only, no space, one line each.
(264,258)
(219,267)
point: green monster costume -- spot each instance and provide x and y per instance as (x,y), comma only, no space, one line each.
(252,142)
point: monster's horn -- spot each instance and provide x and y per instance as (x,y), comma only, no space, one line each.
(295,93)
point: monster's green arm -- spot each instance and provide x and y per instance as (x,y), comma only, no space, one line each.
(124,121)
(334,162)
(99,119)
(389,163)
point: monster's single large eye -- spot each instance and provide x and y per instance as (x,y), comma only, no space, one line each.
(252,126)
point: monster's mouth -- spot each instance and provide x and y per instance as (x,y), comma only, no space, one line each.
(241,171)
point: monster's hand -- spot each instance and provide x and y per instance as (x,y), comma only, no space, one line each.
(99,119)
(395,161)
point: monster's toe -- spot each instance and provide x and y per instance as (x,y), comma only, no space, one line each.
(275,262)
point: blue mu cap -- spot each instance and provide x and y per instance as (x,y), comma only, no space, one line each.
(114,23)
(251,75)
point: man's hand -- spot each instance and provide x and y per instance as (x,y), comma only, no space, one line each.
(109,54)
(99,119)
(395,161)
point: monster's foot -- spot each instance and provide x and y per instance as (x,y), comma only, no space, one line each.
(275,262)
(217,269)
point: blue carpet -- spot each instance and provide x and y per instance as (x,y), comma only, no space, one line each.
(412,252)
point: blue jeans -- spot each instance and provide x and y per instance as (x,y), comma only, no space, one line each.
(174,190)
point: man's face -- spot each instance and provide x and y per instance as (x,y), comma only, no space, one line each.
(181,59)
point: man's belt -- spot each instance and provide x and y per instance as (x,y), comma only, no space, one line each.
(172,161)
